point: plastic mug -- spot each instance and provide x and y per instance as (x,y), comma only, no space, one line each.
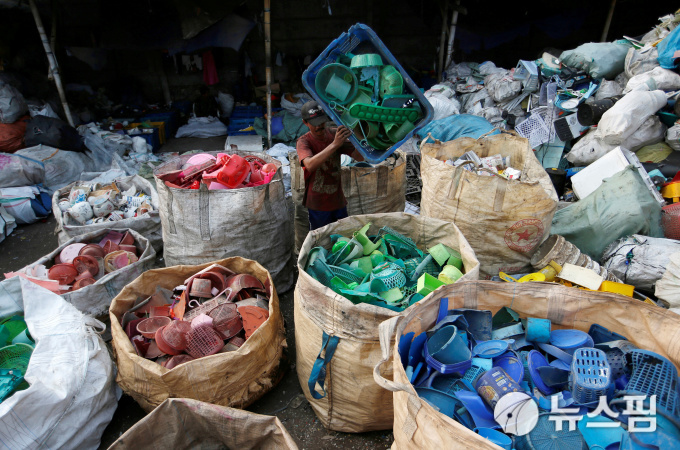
(81,212)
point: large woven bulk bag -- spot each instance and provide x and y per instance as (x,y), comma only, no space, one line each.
(184,424)
(96,298)
(72,395)
(368,190)
(147,224)
(234,379)
(201,225)
(503,220)
(353,401)
(417,425)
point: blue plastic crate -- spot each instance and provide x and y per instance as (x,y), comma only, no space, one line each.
(247,111)
(363,36)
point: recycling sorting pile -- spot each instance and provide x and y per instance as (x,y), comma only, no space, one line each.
(221,172)
(16,347)
(502,373)
(89,203)
(487,166)
(387,270)
(214,311)
(82,264)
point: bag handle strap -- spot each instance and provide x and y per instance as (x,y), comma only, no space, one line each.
(318,374)
(424,141)
(413,403)
(386,332)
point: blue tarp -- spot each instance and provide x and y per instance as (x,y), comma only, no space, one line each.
(456,126)
(667,47)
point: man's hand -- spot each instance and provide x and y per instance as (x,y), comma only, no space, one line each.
(341,136)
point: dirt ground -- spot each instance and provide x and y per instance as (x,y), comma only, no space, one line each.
(286,401)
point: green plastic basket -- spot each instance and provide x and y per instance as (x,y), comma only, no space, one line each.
(391,81)
(341,72)
(388,276)
(345,275)
(367,60)
(16,357)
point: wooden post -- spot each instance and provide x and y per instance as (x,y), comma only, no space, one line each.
(442,41)
(54,68)
(268,69)
(608,22)
(452,33)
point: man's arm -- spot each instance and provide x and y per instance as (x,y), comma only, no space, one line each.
(311,163)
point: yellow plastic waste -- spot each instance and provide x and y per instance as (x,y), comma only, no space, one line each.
(551,270)
(617,288)
(525,279)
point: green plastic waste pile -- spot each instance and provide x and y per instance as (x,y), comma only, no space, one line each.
(387,270)
(16,348)
(370,99)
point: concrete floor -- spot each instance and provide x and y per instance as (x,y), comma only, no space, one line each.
(286,401)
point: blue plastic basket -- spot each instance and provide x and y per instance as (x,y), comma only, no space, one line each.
(654,375)
(590,375)
(362,35)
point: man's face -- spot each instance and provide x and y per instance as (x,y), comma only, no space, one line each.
(317,131)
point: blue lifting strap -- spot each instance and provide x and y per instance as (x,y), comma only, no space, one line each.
(318,375)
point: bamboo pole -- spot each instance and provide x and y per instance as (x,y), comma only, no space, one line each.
(608,22)
(268,69)
(442,41)
(452,32)
(53,36)
(54,68)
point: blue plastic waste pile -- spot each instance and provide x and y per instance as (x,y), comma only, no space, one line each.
(523,384)
(387,270)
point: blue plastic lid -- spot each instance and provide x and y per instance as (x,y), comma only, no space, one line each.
(446,404)
(560,364)
(478,409)
(490,349)
(568,339)
(534,361)
(512,366)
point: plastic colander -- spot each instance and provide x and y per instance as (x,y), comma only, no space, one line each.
(387,276)
(226,320)
(203,341)
(148,327)
(175,334)
(15,357)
